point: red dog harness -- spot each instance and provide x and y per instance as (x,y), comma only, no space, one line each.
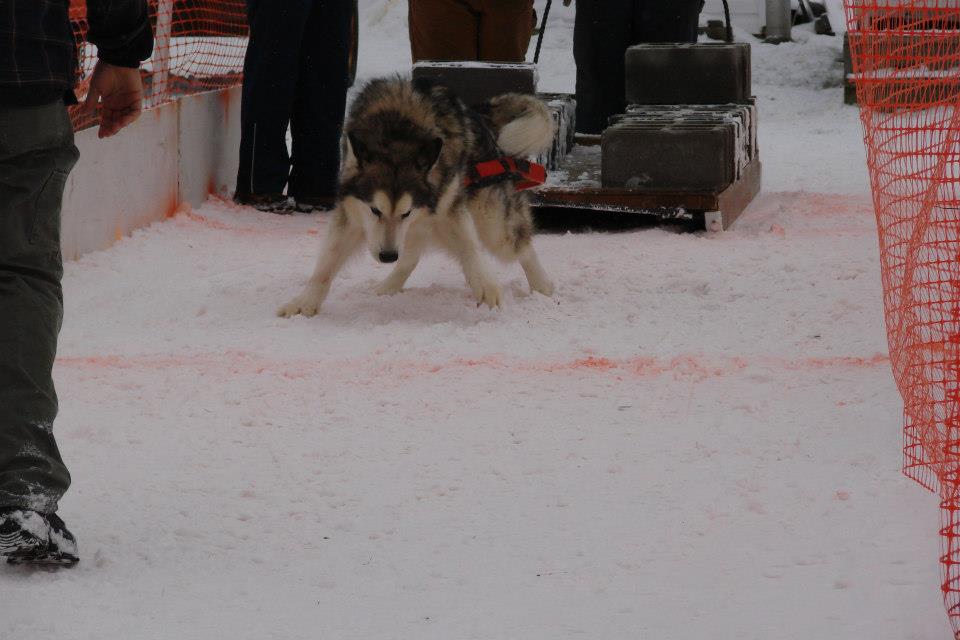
(525,173)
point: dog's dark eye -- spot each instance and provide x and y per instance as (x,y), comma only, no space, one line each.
(406,215)
(376,212)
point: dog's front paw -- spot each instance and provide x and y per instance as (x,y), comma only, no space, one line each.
(306,304)
(487,292)
(388,287)
(544,286)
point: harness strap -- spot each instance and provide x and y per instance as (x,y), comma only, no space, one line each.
(525,173)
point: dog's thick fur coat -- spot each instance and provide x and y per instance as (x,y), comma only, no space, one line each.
(407,148)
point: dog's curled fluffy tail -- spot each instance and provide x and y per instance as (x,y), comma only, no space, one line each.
(523,124)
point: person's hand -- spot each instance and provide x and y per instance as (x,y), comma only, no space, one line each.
(119,91)
(567,3)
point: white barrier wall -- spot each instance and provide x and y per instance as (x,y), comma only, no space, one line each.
(177,153)
(209,145)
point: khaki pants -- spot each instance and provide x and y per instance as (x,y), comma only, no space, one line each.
(488,30)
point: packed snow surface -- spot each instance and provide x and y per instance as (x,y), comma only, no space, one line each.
(697,437)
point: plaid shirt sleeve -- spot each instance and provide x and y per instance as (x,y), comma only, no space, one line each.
(121,31)
(38,50)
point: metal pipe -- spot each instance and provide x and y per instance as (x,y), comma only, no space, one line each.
(779,20)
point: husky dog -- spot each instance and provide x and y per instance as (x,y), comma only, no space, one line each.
(407,148)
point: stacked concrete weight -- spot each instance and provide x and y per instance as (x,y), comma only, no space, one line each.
(691,126)
(670,143)
(563,108)
(744,115)
(477,82)
(689,157)
(708,73)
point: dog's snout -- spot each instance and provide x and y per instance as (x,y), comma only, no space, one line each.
(388,256)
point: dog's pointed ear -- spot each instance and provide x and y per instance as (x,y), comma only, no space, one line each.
(429,154)
(358,147)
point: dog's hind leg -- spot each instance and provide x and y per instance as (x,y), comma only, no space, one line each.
(413,246)
(459,234)
(342,241)
(536,276)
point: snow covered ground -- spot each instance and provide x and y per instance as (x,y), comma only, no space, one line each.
(698,437)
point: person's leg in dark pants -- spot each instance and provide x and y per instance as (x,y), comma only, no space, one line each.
(36,155)
(668,21)
(602,33)
(270,75)
(320,101)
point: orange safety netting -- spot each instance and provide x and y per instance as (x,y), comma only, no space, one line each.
(906,65)
(199,45)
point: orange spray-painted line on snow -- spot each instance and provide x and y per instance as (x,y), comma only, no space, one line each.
(685,366)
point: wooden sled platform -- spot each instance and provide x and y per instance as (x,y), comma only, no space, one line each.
(575,185)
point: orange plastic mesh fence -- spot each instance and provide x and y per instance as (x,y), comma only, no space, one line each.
(906,66)
(200,46)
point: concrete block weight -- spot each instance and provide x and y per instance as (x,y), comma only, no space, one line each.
(476,82)
(679,73)
(563,109)
(694,156)
(743,116)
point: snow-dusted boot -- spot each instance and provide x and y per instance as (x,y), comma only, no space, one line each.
(28,537)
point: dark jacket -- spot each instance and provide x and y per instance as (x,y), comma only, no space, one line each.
(38,56)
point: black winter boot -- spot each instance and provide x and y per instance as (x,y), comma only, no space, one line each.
(29,537)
